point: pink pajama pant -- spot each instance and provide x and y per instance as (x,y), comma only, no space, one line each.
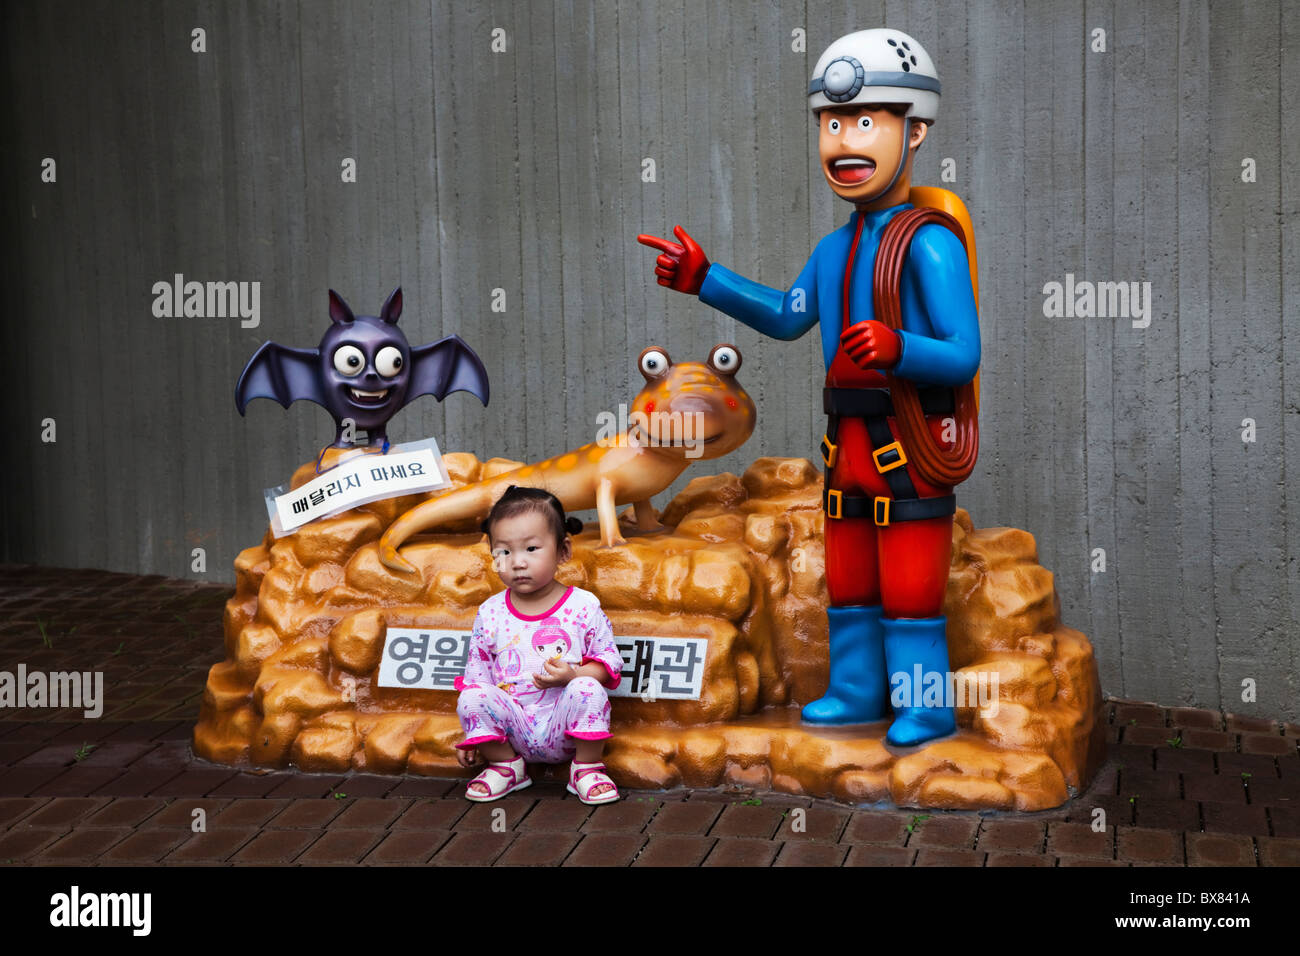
(542,736)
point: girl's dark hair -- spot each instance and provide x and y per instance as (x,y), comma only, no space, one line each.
(519,500)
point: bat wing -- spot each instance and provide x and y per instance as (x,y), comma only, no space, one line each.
(278,372)
(446,366)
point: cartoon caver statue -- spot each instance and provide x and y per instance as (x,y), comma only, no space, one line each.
(893,292)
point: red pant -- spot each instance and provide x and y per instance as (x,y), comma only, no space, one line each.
(902,566)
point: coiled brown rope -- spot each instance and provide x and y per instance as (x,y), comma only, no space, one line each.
(937,465)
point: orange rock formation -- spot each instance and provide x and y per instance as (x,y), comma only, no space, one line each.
(741,564)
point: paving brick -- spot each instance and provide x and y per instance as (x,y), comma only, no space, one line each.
(1208,739)
(82,845)
(1215,788)
(65,811)
(12,753)
(1119,809)
(946,856)
(606,849)
(1195,717)
(1143,845)
(949,832)
(1216,849)
(144,846)
(507,812)
(1270,744)
(1234,818)
(370,813)
(1160,814)
(539,848)
(306,785)
(1079,839)
(137,782)
(670,849)
(1249,724)
(1026,836)
(1144,714)
(250,784)
(13,809)
(248,812)
(192,783)
(1271,792)
(804,853)
(1018,859)
(1257,765)
(22,781)
(869,827)
(733,851)
(180,813)
(341,846)
(1173,760)
(879,856)
(689,817)
(1148,783)
(740,820)
(306,813)
(566,815)
(117,754)
(1142,736)
(1089,861)
(22,843)
(1285,821)
(624,816)
(408,846)
(473,848)
(275,846)
(820,824)
(366,785)
(1275,851)
(78,781)
(1131,757)
(426,787)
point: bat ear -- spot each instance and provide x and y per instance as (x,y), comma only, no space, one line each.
(339,310)
(392,310)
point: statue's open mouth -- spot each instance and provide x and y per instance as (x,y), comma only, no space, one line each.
(369,398)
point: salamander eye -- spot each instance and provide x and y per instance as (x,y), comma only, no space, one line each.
(654,362)
(725,359)
(349,360)
(389,361)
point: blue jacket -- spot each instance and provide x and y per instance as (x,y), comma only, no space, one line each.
(940,336)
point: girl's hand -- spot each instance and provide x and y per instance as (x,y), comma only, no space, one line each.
(467,756)
(556,674)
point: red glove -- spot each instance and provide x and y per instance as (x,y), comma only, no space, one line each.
(681,267)
(872,344)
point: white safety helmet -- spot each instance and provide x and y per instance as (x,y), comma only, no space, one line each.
(876,66)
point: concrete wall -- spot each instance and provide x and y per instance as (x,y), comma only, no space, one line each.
(522,171)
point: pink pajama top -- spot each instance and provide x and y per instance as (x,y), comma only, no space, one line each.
(508,647)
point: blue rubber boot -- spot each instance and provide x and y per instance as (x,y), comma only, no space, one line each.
(911,643)
(858,689)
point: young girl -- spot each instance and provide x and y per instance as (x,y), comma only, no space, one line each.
(540,659)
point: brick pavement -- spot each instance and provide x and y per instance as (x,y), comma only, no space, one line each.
(1181,786)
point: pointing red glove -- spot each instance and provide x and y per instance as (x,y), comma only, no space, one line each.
(681,267)
(872,344)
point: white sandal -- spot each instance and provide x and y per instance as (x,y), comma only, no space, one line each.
(505,778)
(589,776)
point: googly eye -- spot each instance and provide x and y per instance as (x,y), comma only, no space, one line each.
(833,126)
(349,360)
(864,123)
(725,358)
(389,361)
(654,362)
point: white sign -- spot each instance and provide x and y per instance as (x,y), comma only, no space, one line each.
(405,470)
(654,668)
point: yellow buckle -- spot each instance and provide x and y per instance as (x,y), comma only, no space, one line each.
(882,507)
(833,496)
(830,451)
(894,447)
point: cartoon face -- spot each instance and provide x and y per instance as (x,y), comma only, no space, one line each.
(525,553)
(550,640)
(860,148)
(365,363)
(696,407)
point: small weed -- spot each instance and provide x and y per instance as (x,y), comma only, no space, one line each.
(84,751)
(340,796)
(1175,742)
(751,802)
(45,638)
(917,821)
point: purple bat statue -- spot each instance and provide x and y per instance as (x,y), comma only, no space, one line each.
(363,370)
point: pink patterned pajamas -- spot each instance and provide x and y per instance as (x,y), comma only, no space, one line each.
(498,699)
